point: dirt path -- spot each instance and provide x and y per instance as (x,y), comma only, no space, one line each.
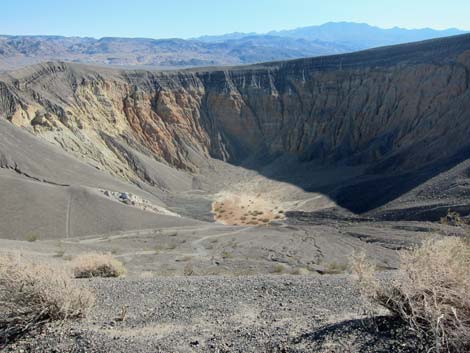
(197,246)
(135,234)
(67,217)
(200,250)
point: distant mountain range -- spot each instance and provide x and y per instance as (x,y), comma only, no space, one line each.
(355,36)
(228,49)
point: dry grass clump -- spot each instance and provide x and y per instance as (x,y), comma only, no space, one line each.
(364,271)
(227,255)
(279,268)
(32,238)
(452,218)
(334,267)
(431,293)
(97,265)
(32,294)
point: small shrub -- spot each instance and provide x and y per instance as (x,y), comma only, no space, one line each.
(364,272)
(296,271)
(279,268)
(97,265)
(431,293)
(300,271)
(227,255)
(335,268)
(60,251)
(32,294)
(32,238)
(452,218)
(67,257)
(188,270)
(122,314)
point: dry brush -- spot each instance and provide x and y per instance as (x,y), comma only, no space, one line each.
(431,292)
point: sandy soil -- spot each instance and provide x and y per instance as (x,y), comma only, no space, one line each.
(256,200)
(246,209)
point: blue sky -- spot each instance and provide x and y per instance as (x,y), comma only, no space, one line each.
(185,18)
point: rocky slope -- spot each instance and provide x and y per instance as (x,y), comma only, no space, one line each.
(222,314)
(390,111)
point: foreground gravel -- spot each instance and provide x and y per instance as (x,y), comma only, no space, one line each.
(218,314)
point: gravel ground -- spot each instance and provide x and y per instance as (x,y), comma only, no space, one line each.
(225,314)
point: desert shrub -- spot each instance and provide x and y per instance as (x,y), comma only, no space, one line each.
(188,270)
(364,271)
(97,265)
(431,292)
(227,255)
(296,271)
(335,268)
(452,218)
(279,268)
(300,271)
(60,251)
(32,238)
(32,294)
